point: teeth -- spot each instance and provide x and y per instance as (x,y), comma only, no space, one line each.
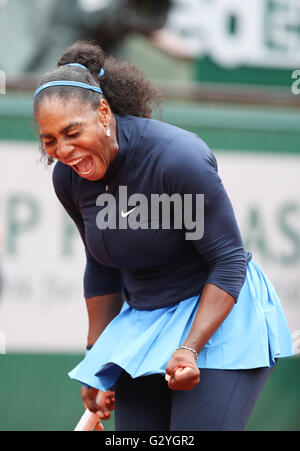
(85,173)
(75,162)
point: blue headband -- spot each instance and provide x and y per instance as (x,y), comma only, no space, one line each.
(67,83)
(71,83)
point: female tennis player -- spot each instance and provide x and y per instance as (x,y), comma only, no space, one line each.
(184,327)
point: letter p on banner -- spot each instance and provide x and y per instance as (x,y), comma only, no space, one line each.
(2,83)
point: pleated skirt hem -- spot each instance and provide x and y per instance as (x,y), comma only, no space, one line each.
(141,342)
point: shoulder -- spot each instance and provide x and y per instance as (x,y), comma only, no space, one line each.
(186,150)
(149,131)
(181,151)
(187,164)
(173,146)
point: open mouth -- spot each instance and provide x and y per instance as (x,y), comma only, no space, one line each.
(83,166)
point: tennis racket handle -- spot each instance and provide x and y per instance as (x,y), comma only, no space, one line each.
(87,422)
(89,419)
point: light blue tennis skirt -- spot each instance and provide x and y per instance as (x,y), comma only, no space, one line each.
(142,341)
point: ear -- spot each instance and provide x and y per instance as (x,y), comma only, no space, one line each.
(104,112)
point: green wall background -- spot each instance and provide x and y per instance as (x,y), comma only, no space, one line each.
(222,126)
(35,391)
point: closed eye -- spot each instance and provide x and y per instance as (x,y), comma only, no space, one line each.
(73,135)
(49,143)
(52,141)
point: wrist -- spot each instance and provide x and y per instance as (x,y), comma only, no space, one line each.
(189,349)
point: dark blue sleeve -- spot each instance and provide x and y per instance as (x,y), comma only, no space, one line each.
(194,171)
(98,279)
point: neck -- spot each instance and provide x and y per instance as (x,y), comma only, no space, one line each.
(114,138)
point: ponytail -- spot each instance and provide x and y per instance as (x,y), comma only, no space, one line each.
(123,85)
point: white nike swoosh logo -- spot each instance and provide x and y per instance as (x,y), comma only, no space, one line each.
(123,214)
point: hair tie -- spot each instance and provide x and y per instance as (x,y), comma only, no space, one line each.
(77,64)
(101,72)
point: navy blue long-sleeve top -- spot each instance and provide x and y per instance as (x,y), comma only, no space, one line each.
(155,267)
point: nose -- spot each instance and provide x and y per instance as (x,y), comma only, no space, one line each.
(64,150)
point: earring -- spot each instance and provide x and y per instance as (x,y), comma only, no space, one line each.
(107,130)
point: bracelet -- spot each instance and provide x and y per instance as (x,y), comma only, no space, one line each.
(188,349)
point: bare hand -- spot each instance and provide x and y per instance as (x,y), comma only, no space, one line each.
(182,372)
(101,407)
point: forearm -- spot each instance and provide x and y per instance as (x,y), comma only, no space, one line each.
(215,305)
(101,311)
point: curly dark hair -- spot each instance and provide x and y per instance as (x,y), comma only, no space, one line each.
(124,87)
